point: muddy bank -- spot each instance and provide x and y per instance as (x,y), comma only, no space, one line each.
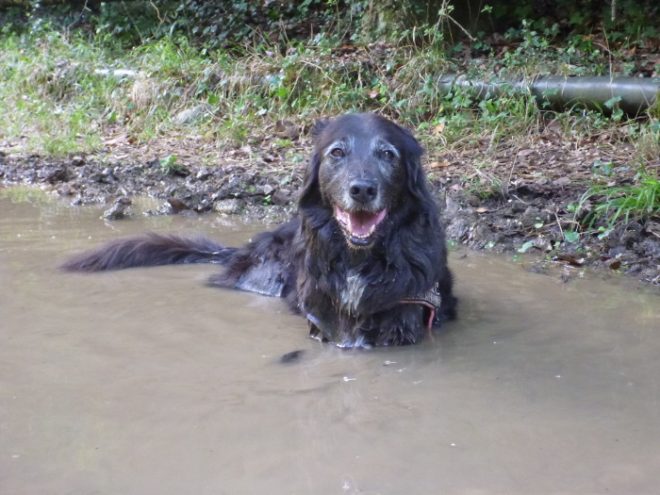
(234,189)
(528,213)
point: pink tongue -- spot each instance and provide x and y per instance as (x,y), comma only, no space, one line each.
(360,224)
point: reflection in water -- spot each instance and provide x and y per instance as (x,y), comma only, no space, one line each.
(146,381)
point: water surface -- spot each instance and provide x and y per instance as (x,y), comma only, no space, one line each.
(146,381)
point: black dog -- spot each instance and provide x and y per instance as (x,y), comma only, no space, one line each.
(364,260)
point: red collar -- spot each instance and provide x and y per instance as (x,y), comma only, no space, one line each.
(430,300)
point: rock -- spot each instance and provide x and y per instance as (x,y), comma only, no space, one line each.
(631,235)
(282,197)
(518,207)
(118,210)
(228,206)
(177,205)
(286,129)
(653,227)
(192,115)
(104,177)
(65,190)
(203,204)
(651,275)
(53,175)
(543,243)
(530,217)
(561,182)
(459,228)
(649,248)
(203,174)
(452,207)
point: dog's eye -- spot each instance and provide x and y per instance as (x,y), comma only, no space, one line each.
(337,153)
(388,155)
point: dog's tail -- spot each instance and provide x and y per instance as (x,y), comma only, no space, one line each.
(149,250)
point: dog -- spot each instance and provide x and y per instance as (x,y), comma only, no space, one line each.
(364,259)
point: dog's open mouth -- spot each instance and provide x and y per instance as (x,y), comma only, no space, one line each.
(359,226)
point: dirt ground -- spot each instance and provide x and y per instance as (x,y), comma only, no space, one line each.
(514,197)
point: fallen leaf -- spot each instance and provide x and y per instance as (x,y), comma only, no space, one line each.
(440,164)
(570,259)
(122,138)
(562,181)
(439,129)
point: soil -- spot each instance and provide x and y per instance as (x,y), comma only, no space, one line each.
(514,198)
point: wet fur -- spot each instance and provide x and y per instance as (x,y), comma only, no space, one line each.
(350,296)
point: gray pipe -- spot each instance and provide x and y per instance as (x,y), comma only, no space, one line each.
(560,92)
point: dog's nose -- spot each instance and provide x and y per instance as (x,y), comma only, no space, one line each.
(363,190)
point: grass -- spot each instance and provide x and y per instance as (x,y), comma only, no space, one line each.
(638,201)
(59,102)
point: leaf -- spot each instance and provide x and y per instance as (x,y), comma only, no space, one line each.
(526,247)
(612,102)
(570,259)
(604,232)
(438,164)
(571,236)
(169,161)
(439,129)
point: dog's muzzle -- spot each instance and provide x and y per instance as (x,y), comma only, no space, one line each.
(359,226)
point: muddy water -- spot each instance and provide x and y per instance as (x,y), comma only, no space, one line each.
(147,382)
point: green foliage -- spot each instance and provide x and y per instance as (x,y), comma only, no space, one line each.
(58,88)
(49,91)
(223,24)
(238,24)
(631,20)
(610,204)
(536,52)
(170,165)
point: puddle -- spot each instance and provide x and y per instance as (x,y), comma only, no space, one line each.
(146,381)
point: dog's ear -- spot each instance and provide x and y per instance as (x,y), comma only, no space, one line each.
(311,194)
(318,128)
(412,157)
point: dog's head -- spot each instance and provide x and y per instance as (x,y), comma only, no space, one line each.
(364,168)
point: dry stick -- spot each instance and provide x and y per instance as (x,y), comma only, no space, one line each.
(558,224)
(513,166)
(444,11)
